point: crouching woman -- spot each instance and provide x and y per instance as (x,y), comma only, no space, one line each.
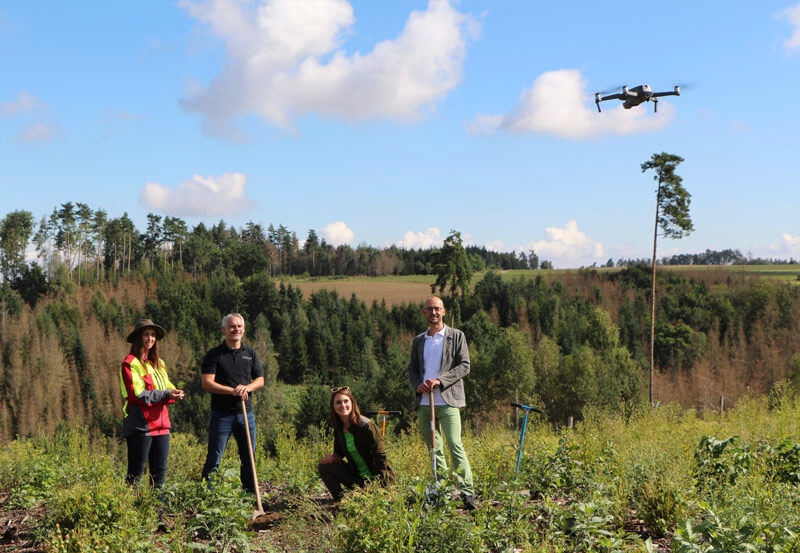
(358,451)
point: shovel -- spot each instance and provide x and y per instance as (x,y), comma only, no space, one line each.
(433,435)
(527,410)
(383,415)
(431,490)
(260,510)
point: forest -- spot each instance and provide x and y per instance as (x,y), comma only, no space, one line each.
(572,343)
(565,341)
(94,247)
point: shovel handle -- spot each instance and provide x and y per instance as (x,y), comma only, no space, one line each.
(252,457)
(433,432)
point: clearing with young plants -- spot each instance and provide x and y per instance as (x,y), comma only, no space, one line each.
(644,480)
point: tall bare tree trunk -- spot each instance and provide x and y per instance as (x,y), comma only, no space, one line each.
(653,298)
(69,259)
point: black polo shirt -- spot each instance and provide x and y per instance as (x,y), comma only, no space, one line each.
(231,367)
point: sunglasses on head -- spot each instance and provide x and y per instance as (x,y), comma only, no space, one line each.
(340,389)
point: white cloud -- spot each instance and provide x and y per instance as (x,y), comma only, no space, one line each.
(496,246)
(284,60)
(25,102)
(557,104)
(337,234)
(567,247)
(789,245)
(37,132)
(792,14)
(792,242)
(431,238)
(200,196)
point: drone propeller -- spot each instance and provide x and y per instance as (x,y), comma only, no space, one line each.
(612,90)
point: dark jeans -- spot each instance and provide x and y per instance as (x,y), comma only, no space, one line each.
(142,448)
(338,475)
(222,425)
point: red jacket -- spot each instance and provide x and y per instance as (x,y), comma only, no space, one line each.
(146,394)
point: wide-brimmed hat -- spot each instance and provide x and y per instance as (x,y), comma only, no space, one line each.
(143,324)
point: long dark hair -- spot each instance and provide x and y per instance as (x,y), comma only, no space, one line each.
(137,346)
(355,414)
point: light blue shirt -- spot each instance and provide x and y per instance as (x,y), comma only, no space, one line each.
(432,357)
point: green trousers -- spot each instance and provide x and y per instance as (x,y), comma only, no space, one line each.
(448,422)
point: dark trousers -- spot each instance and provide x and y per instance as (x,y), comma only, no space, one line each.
(220,428)
(141,449)
(337,476)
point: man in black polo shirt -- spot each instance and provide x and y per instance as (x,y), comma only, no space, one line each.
(231,372)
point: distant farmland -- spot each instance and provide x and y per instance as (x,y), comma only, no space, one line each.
(394,290)
(415,288)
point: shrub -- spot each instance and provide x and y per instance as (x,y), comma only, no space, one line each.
(218,515)
(660,504)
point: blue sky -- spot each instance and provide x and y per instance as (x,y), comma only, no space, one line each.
(392,122)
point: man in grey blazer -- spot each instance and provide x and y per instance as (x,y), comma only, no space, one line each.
(439,362)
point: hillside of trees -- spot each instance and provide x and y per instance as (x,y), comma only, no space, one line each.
(94,247)
(563,342)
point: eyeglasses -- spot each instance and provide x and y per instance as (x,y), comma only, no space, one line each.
(340,389)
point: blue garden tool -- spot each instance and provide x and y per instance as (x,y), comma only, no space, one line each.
(527,410)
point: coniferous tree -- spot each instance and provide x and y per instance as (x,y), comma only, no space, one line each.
(15,232)
(672,217)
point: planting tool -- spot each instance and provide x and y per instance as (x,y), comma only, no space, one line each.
(383,414)
(527,410)
(260,510)
(433,434)
(432,489)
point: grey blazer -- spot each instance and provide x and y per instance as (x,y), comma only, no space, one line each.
(455,366)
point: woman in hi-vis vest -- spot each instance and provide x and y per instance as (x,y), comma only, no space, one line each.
(146,391)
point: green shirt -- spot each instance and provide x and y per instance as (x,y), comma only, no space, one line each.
(361,466)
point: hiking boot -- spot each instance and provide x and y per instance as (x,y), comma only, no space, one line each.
(469,502)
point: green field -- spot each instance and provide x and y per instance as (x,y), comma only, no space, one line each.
(396,290)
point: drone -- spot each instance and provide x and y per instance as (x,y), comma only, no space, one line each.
(634,96)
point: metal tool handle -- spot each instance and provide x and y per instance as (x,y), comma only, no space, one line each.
(527,408)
